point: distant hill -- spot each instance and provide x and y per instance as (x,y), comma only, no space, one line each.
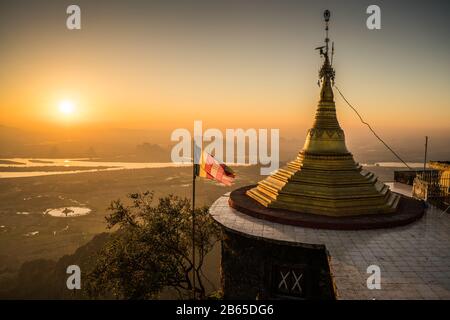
(12,141)
(113,144)
(147,145)
(46,279)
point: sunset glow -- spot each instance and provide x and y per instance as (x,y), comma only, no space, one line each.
(204,152)
(66,107)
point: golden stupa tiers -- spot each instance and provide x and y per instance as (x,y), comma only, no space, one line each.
(324,179)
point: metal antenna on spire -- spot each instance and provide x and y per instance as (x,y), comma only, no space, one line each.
(326,16)
(327,70)
(332,53)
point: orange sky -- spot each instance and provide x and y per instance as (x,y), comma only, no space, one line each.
(163,70)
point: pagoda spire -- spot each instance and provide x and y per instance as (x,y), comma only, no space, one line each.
(324,179)
(326,73)
(326,77)
(326,135)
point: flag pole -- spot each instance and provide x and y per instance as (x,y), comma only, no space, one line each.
(193,217)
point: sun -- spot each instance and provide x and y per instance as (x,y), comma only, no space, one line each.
(66,107)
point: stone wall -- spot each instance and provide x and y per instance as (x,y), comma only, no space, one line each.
(262,269)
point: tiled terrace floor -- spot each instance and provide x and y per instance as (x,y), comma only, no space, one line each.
(414,259)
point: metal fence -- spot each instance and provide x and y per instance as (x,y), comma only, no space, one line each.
(433,186)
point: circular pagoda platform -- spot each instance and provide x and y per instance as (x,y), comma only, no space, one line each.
(408,210)
(409,256)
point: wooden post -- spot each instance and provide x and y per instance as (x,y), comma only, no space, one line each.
(425,156)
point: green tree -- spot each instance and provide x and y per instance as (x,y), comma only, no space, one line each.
(152,249)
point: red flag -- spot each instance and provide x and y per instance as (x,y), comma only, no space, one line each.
(212,169)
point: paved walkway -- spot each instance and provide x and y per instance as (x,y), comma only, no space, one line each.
(414,259)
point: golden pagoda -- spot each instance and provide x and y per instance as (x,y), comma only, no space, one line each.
(324,179)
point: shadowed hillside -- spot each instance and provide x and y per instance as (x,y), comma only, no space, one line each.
(46,279)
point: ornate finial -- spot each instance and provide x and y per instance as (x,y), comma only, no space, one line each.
(326,16)
(326,72)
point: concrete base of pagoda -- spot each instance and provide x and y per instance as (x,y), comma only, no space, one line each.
(408,210)
(325,184)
